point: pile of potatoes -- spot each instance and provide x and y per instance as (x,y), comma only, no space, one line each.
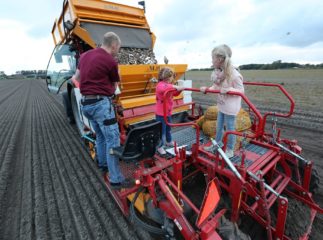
(130,56)
(208,122)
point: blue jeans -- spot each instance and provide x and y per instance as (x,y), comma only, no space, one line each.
(166,129)
(229,121)
(107,136)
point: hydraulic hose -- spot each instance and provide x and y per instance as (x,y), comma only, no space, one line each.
(142,224)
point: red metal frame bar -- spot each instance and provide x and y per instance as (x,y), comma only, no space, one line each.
(181,194)
(281,218)
(283,90)
(248,102)
(174,210)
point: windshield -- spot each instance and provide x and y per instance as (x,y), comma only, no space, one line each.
(61,67)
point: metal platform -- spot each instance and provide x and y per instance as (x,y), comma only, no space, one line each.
(187,136)
(259,150)
(256,149)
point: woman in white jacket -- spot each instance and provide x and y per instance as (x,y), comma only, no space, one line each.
(226,78)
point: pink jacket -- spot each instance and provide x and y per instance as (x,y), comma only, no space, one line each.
(160,90)
(228,104)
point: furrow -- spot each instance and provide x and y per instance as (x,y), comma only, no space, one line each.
(11,172)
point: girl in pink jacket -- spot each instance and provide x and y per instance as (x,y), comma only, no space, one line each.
(226,78)
(165,78)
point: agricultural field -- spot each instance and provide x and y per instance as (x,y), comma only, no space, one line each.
(305,85)
(49,186)
(51,189)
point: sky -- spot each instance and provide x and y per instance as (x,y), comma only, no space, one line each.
(258,31)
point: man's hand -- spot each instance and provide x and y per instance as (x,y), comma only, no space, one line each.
(76,75)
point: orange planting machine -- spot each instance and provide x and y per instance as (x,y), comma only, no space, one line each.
(189,193)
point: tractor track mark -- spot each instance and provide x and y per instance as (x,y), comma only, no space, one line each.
(76,148)
(76,187)
(65,210)
(14,156)
(8,121)
(28,190)
(47,218)
(49,186)
(128,231)
(72,199)
(9,91)
(86,165)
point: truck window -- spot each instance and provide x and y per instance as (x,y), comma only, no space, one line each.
(61,67)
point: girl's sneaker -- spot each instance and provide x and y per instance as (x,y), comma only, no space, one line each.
(161,151)
(229,153)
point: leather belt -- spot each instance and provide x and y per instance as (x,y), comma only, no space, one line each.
(89,101)
(94,96)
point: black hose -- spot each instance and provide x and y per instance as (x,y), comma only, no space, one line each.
(142,224)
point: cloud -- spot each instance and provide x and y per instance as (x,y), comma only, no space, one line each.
(20,51)
(187,31)
(39,14)
(257,31)
(243,22)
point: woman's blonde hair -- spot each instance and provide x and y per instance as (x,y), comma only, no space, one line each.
(165,73)
(225,52)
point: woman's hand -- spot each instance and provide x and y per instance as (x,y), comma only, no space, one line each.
(203,89)
(224,90)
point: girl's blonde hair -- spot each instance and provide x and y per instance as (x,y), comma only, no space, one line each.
(224,51)
(165,73)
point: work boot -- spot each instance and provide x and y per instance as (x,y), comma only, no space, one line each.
(127,183)
(104,170)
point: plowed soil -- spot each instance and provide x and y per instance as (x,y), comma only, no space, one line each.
(49,186)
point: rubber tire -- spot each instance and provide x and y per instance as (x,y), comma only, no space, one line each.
(68,108)
(315,181)
(229,230)
(75,110)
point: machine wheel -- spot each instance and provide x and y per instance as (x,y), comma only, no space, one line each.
(68,108)
(315,181)
(139,222)
(76,113)
(229,230)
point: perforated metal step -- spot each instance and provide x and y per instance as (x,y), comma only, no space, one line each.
(187,136)
(256,149)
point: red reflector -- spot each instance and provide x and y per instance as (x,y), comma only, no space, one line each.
(210,202)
